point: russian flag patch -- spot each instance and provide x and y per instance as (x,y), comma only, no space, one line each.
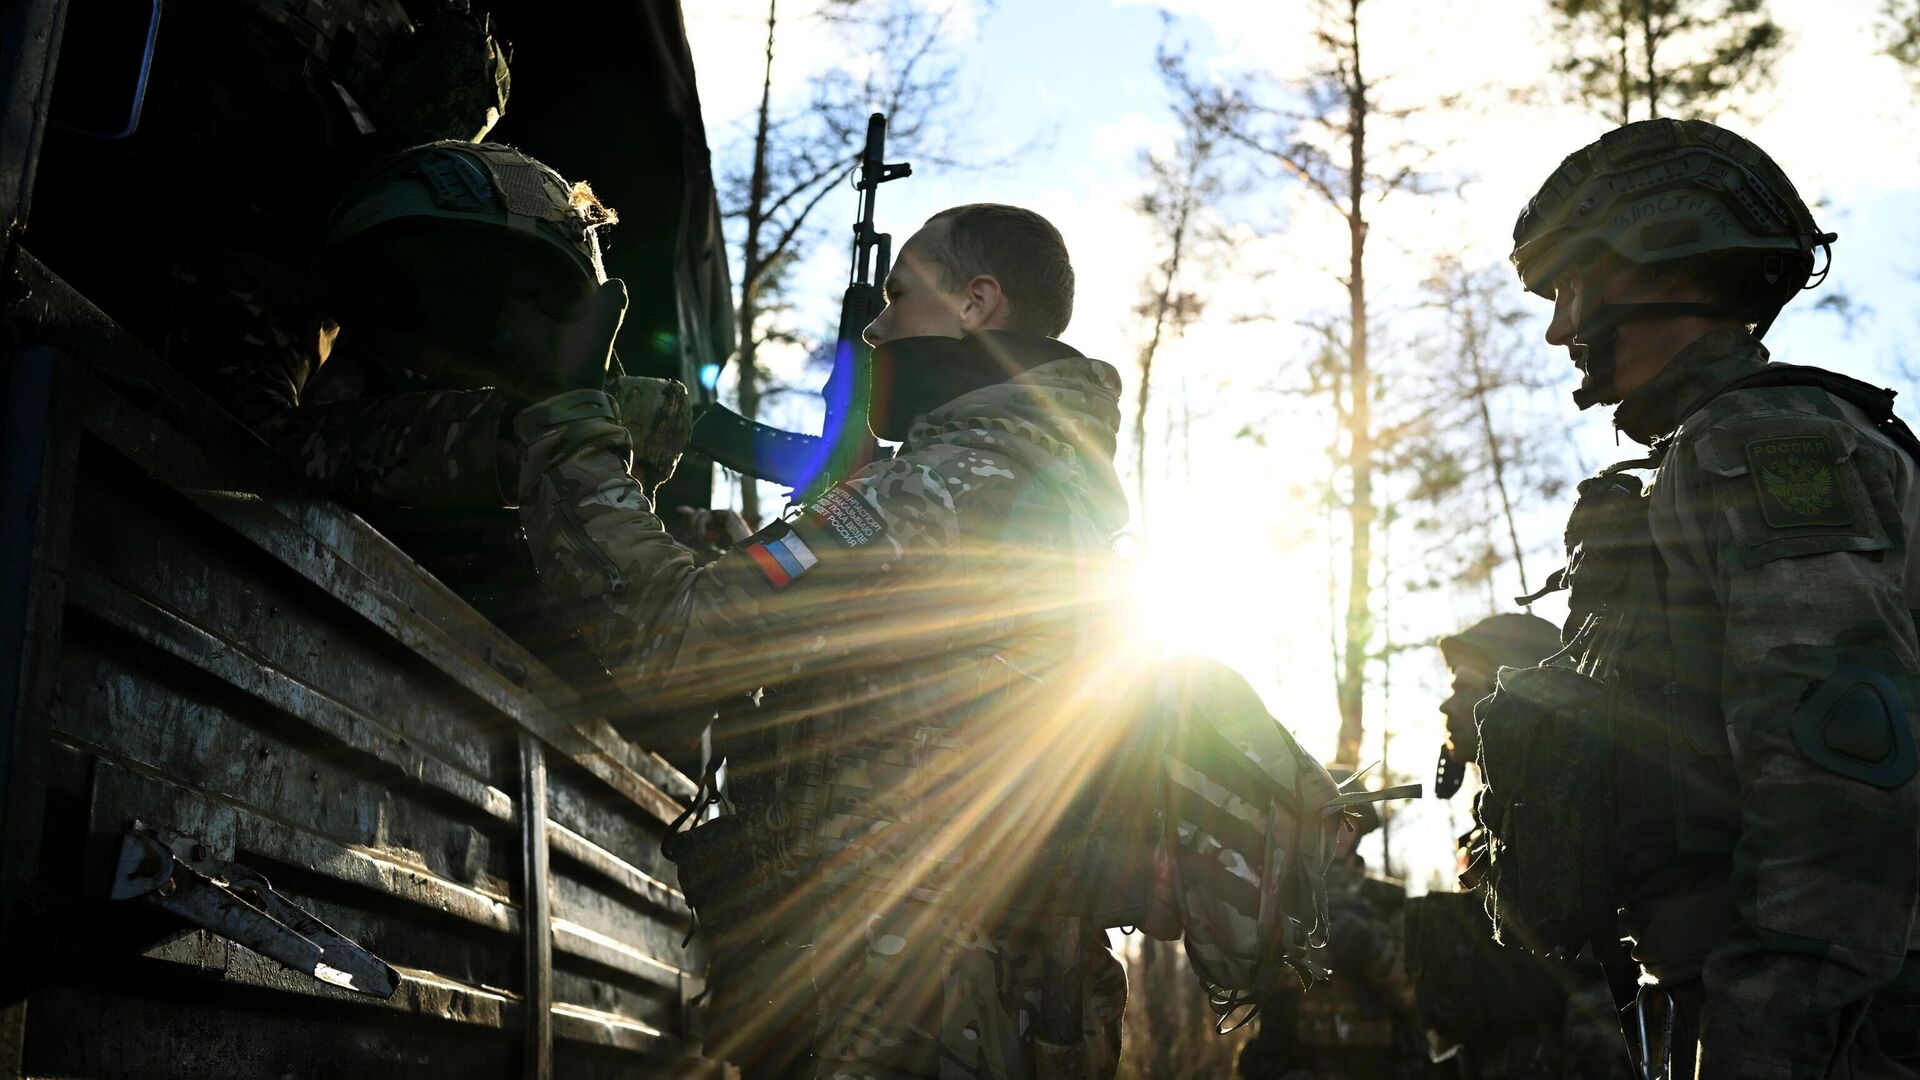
(782,558)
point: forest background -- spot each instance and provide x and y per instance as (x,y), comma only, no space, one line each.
(1290,224)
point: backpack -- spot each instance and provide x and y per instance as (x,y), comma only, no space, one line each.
(1247,820)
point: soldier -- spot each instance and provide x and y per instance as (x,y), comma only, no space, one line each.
(1361,1025)
(439,260)
(1472,656)
(1511,1014)
(928,625)
(1742,628)
(281,102)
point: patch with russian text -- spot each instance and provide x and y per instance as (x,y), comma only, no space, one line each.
(1794,476)
(782,556)
(844,517)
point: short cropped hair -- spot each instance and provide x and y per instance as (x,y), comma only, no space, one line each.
(1019,248)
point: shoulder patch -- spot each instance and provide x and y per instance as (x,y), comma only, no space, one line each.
(845,517)
(1794,478)
(1788,486)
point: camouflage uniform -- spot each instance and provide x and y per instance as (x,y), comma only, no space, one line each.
(430,459)
(1789,888)
(922,621)
(1361,1025)
(1732,718)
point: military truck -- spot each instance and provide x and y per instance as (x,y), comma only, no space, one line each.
(273,800)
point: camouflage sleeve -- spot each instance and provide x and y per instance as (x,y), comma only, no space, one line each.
(1797,533)
(838,582)
(432,448)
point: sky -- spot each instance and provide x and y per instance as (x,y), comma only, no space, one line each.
(1231,561)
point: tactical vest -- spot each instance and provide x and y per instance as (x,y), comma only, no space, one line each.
(1611,761)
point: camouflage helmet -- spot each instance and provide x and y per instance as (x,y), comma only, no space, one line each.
(1660,190)
(475,184)
(1509,640)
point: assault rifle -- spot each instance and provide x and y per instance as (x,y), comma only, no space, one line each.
(809,464)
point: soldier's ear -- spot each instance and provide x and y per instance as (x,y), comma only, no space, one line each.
(984,305)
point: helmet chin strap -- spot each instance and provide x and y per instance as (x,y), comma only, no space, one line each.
(1599,331)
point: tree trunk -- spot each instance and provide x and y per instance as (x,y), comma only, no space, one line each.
(1649,44)
(1161,303)
(747,366)
(1625,72)
(1351,690)
(1495,459)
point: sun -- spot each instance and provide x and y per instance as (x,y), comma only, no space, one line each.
(1253,609)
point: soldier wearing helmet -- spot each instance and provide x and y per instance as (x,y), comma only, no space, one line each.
(1510,1015)
(1473,656)
(1740,597)
(1361,1025)
(450,268)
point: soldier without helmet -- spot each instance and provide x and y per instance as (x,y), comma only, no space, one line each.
(1744,626)
(919,621)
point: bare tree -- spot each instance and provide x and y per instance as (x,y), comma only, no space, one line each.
(1656,55)
(1328,144)
(1488,363)
(1184,184)
(795,160)
(1474,463)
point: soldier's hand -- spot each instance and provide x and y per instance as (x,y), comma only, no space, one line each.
(553,355)
(658,416)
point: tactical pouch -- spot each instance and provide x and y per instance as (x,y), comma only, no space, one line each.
(725,881)
(1545,755)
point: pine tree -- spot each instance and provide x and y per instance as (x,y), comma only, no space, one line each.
(1655,57)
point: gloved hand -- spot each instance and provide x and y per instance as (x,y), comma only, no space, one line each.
(658,416)
(551,356)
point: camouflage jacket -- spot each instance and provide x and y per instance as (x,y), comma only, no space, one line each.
(371,438)
(932,609)
(1779,517)
(375,437)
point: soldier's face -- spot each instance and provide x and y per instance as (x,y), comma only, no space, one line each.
(1472,680)
(1642,346)
(919,303)
(459,306)
(1567,295)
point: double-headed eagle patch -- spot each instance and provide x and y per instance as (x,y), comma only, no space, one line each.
(1794,478)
